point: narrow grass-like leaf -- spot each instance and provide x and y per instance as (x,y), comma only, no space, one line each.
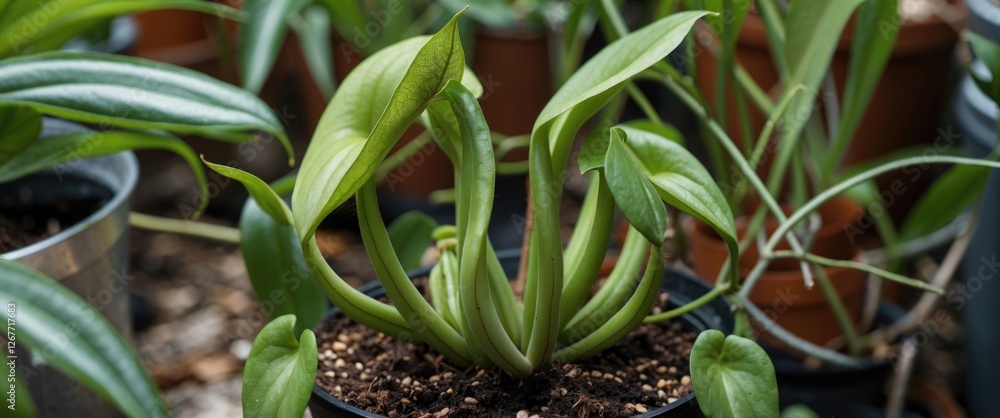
(74,338)
(947,198)
(19,128)
(733,377)
(410,235)
(277,268)
(870,51)
(261,36)
(280,372)
(128,92)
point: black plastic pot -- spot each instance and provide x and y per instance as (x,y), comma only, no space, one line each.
(681,286)
(833,387)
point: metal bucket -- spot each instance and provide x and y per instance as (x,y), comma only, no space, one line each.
(89,258)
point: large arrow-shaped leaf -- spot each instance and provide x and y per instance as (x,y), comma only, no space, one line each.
(733,377)
(633,192)
(135,93)
(367,115)
(280,372)
(73,337)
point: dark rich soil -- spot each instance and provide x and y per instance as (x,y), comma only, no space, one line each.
(23,226)
(370,370)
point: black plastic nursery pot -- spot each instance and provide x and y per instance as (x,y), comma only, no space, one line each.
(681,286)
(88,257)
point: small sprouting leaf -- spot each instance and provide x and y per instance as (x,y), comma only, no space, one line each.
(280,372)
(410,235)
(19,127)
(135,93)
(733,377)
(594,150)
(277,268)
(268,200)
(947,198)
(75,339)
(632,191)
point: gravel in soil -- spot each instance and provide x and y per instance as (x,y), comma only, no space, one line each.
(380,374)
(21,227)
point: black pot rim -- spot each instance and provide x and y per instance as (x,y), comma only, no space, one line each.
(674,281)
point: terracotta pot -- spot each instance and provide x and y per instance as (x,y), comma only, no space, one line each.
(898,116)
(781,292)
(516,73)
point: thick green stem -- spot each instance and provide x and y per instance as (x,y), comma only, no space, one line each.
(583,265)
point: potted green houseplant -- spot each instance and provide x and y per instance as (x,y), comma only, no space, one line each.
(496,331)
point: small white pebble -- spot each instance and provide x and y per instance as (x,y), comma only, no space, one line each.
(640,408)
(328,354)
(471,401)
(435,378)
(407,381)
(619,380)
(339,363)
(647,388)
(671,400)
(686,380)
(661,394)
(661,384)
(339,346)
(672,370)
(522,414)
(359,366)
(329,374)
(343,375)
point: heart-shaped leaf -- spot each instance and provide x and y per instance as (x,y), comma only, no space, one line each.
(75,339)
(19,128)
(733,377)
(129,92)
(368,114)
(280,372)
(633,192)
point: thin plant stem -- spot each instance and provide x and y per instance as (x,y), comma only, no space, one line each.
(837,306)
(885,274)
(687,307)
(190,228)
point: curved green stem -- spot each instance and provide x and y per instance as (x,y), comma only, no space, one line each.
(584,259)
(687,307)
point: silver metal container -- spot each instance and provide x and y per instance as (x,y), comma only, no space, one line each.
(89,258)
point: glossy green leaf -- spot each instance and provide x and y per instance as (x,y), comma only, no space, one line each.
(268,200)
(280,372)
(368,114)
(732,377)
(664,129)
(633,192)
(277,268)
(681,181)
(19,128)
(135,93)
(312,26)
(410,235)
(870,51)
(594,150)
(55,18)
(604,75)
(75,339)
(947,198)
(989,53)
(261,36)
(67,148)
